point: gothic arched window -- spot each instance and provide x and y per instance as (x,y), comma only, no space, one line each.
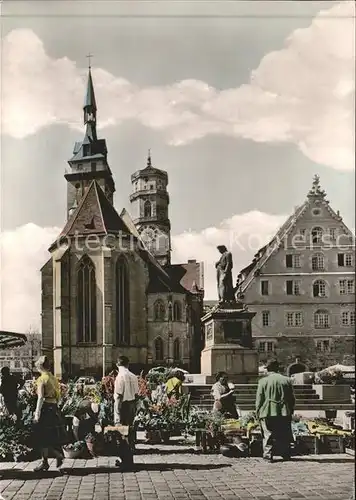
(159,353)
(177,311)
(321,319)
(122,302)
(176,350)
(86,301)
(318,263)
(159,311)
(317,235)
(319,288)
(147,209)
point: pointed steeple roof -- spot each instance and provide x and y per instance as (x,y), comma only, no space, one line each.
(94,215)
(90,94)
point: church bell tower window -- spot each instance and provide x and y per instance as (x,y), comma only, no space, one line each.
(147,209)
(122,303)
(86,304)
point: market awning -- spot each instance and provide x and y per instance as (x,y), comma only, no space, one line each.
(11,339)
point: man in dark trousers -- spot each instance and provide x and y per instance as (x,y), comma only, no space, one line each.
(9,390)
(275,404)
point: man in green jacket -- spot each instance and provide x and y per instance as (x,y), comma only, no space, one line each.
(275,404)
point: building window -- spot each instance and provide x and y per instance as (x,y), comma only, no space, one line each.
(266,318)
(266,347)
(293,287)
(294,319)
(321,319)
(177,311)
(345,259)
(122,302)
(348,318)
(319,288)
(86,301)
(86,150)
(318,263)
(93,166)
(265,287)
(317,235)
(347,287)
(147,209)
(323,345)
(293,261)
(159,311)
(159,356)
(332,233)
(176,350)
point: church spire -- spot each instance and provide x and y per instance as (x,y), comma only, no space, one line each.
(149,161)
(90,108)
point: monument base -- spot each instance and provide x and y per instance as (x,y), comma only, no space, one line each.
(240,363)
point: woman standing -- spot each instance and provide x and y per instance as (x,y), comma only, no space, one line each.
(50,430)
(224,399)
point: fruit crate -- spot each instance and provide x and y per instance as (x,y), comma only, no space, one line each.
(307,445)
(331,444)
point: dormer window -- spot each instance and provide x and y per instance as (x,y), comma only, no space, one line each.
(86,150)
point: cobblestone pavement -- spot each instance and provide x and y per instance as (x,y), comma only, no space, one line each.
(175,473)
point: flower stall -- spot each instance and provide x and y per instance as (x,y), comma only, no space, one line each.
(161,417)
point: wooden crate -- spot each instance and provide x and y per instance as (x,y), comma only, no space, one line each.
(331,444)
(307,445)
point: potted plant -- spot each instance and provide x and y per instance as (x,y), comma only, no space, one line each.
(74,450)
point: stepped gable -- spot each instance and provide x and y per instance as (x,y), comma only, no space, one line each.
(94,215)
(316,197)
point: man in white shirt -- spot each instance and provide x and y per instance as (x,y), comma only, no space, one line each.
(125,394)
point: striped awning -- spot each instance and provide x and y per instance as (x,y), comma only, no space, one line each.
(11,339)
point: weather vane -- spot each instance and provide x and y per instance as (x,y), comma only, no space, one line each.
(89,56)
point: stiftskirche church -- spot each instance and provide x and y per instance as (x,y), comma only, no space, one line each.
(109,287)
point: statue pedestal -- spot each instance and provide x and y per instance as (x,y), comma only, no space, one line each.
(228,344)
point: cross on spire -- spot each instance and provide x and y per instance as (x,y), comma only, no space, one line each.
(89,56)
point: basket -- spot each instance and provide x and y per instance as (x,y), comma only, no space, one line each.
(72,454)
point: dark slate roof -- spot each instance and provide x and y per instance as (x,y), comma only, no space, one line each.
(90,95)
(98,149)
(94,215)
(11,339)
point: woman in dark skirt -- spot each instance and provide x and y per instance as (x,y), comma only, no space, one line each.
(49,431)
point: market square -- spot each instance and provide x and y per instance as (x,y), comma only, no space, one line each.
(177,306)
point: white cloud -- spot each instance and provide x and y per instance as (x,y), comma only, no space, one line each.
(302,94)
(243,235)
(24,251)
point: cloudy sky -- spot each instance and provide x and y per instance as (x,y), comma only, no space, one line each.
(241,102)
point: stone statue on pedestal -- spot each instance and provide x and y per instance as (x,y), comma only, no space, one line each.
(224,276)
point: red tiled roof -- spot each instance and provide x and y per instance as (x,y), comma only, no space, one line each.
(94,215)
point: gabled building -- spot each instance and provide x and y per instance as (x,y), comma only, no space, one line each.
(109,287)
(302,283)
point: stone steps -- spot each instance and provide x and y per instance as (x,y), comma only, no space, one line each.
(317,406)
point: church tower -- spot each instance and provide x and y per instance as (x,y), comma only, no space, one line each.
(149,209)
(89,161)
